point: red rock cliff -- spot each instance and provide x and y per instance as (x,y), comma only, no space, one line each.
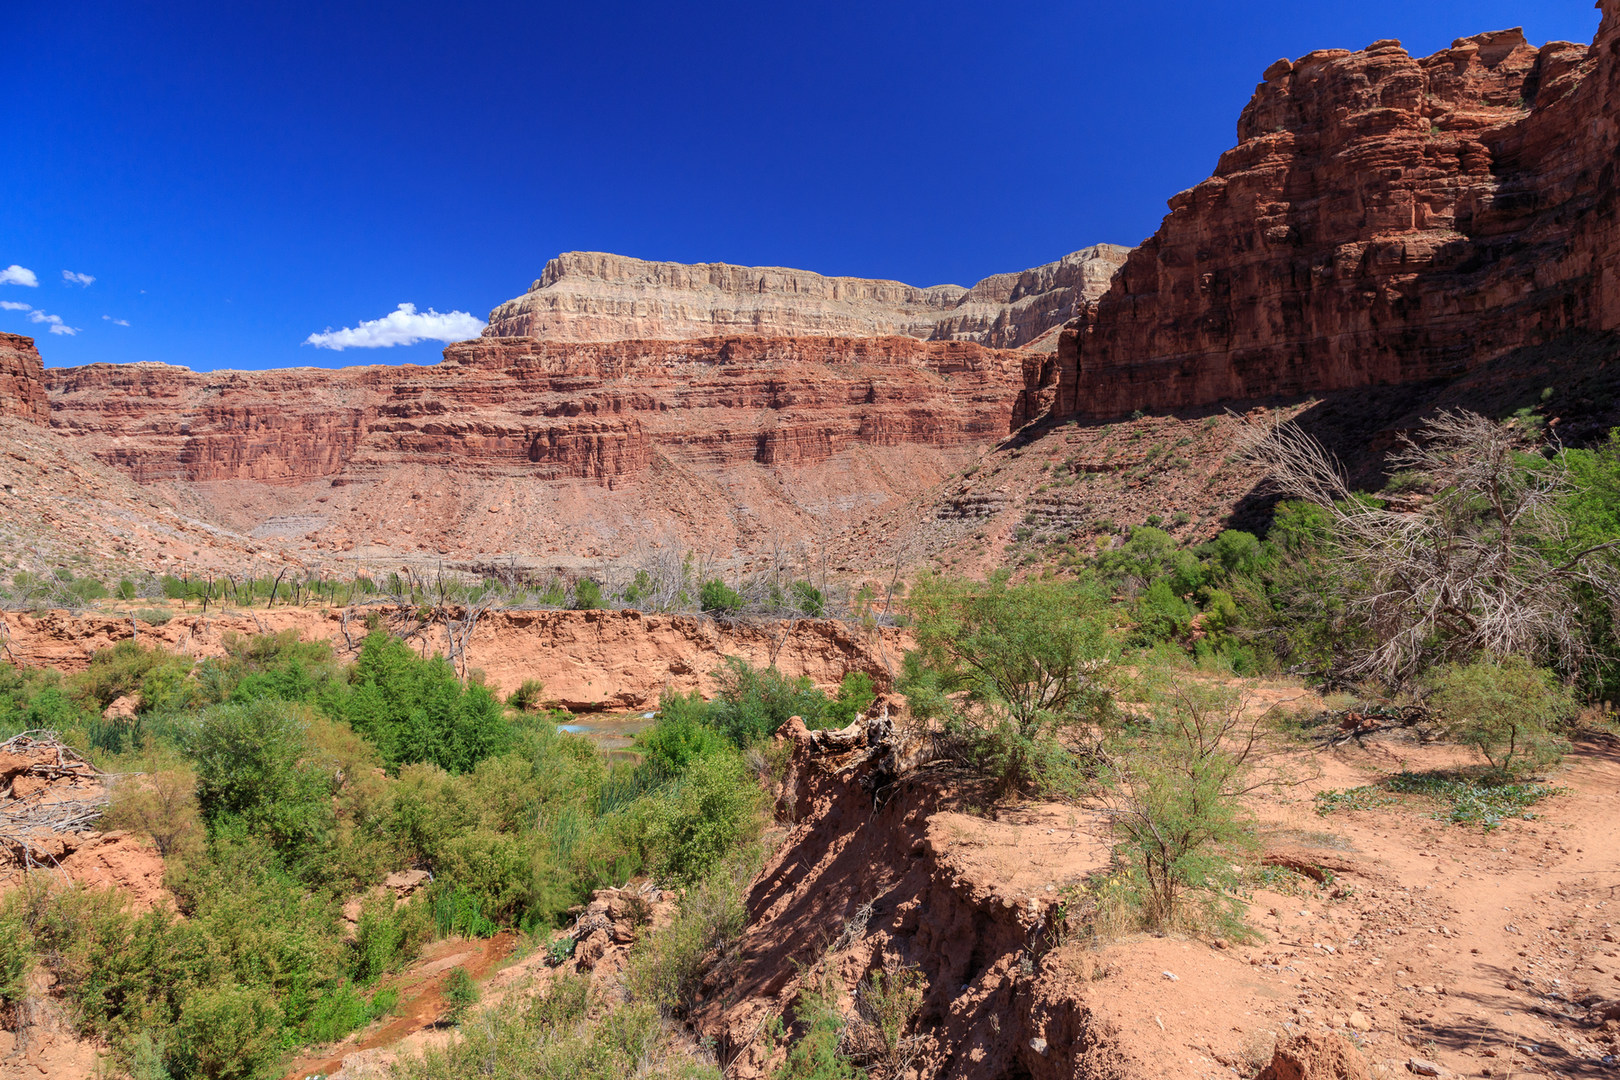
(1382,219)
(22,379)
(546,410)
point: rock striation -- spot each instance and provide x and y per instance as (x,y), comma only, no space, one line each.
(22,380)
(544,410)
(587,296)
(1382,219)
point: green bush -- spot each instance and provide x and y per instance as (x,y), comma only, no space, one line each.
(527,696)
(460,993)
(753,703)
(1506,711)
(714,808)
(416,709)
(717,598)
(680,736)
(855,693)
(808,599)
(587,595)
(1036,661)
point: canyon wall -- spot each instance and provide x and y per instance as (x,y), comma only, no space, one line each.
(590,296)
(546,410)
(22,380)
(1383,219)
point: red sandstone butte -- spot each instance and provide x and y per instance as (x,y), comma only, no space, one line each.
(1383,219)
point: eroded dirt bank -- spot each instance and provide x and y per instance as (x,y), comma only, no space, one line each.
(587,659)
(1478,952)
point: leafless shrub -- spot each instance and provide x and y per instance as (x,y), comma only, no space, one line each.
(1467,572)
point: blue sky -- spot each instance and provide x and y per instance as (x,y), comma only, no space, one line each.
(236,177)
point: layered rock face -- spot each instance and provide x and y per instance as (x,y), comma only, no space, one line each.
(1382,219)
(542,410)
(22,380)
(592,297)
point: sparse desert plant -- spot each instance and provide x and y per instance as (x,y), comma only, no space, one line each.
(527,697)
(162,804)
(1175,796)
(887,1003)
(1506,711)
(460,994)
(667,968)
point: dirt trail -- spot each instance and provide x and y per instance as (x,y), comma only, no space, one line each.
(586,659)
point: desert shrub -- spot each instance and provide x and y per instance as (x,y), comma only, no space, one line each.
(855,693)
(587,595)
(1035,661)
(160,803)
(129,668)
(808,599)
(718,598)
(553,1035)
(680,737)
(1506,711)
(817,1054)
(496,868)
(458,911)
(752,703)
(887,1004)
(254,776)
(16,959)
(666,969)
(229,1032)
(1175,788)
(460,993)
(416,709)
(711,810)
(527,696)
(386,936)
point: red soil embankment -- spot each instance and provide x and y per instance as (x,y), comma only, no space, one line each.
(586,659)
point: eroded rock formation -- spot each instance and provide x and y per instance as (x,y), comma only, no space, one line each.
(1383,219)
(544,410)
(589,296)
(22,379)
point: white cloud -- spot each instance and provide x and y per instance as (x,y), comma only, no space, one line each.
(55,321)
(18,275)
(77,279)
(403,326)
(116,322)
(15,305)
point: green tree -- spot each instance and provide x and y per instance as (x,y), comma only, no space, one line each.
(1035,659)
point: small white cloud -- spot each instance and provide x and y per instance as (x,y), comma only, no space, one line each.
(18,275)
(115,322)
(54,321)
(15,305)
(403,326)
(77,279)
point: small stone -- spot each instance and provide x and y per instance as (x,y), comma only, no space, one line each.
(1171,976)
(1358,1021)
(1423,1067)
(1038,1045)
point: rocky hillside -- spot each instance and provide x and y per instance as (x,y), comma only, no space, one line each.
(518,446)
(590,296)
(22,379)
(1383,219)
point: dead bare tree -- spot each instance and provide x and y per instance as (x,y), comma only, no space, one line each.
(1472,570)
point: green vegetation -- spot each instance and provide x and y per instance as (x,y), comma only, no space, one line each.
(1461,799)
(279,782)
(1506,711)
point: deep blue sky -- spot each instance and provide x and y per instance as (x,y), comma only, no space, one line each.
(236,176)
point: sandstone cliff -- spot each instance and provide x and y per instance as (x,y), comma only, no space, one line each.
(589,296)
(22,379)
(1383,219)
(514,445)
